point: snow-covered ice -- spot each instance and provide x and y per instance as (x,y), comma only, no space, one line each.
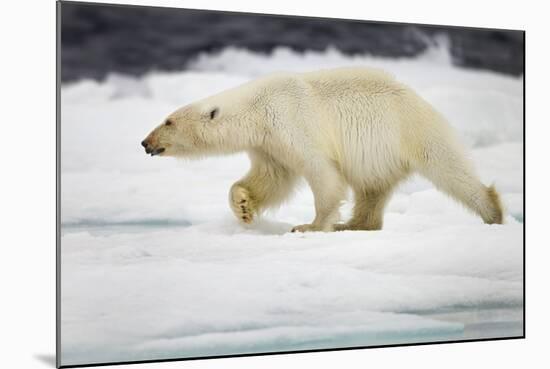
(154,265)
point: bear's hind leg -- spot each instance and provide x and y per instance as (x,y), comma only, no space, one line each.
(451,173)
(368,213)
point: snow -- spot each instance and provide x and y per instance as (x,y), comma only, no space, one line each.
(155,266)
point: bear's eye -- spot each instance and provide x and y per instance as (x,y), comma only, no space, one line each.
(214,113)
(168,122)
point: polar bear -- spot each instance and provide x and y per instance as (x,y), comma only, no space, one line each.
(339,128)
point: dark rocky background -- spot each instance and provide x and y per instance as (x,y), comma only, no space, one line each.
(98,39)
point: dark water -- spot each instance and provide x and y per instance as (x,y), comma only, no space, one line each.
(98,39)
(107,228)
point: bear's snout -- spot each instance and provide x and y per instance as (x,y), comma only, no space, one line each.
(145,144)
(149,149)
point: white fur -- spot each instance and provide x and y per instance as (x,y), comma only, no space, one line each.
(345,127)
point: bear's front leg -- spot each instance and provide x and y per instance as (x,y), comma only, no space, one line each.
(329,189)
(242,203)
(266,184)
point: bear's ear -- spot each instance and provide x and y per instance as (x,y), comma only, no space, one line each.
(214,113)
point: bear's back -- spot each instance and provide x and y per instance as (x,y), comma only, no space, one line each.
(342,81)
(349,73)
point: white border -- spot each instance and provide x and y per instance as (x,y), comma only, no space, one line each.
(27,185)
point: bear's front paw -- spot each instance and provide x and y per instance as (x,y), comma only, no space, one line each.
(311,228)
(242,204)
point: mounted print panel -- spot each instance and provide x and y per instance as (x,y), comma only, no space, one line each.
(241,184)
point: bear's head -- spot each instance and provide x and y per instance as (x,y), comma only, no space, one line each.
(208,127)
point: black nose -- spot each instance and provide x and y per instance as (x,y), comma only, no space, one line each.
(144,143)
